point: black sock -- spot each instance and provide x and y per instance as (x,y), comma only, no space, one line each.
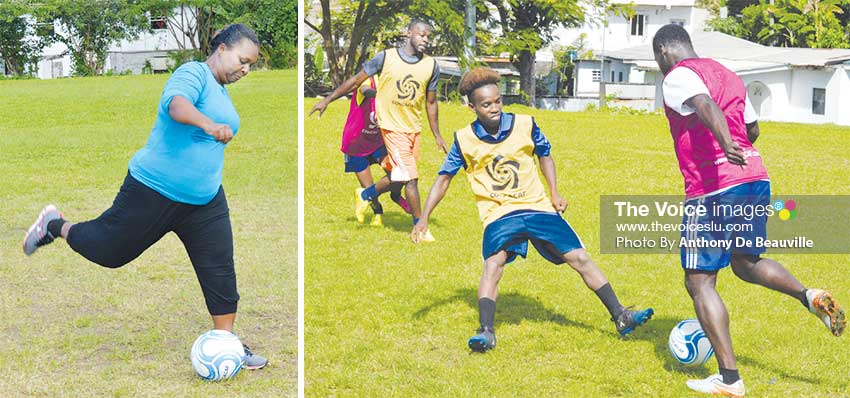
(55,227)
(803,299)
(486,312)
(606,294)
(730,375)
(376,207)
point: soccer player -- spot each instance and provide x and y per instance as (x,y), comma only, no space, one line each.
(714,127)
(363,146)
(174,182)
(407,78)
(497,151)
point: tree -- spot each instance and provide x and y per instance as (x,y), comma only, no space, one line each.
(276,25)
(274,21)
(527,26)
(89,29)
(19,49)
(805,23)
(790,23)
(350,29)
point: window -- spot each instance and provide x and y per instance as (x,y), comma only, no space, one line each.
(680,22)
(621,76)
(596,75)
(819,101)
(612,76)
(158,23)
(637,23)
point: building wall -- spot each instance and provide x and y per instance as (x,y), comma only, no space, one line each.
(776,106)
(843,117)
(122,56)
(160,39)
(838,96)
(133,62)
(586,87)
(53,68)
(631,91)
(619,29)
(800,96)
(618,33)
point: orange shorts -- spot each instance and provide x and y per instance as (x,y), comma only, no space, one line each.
(402,155)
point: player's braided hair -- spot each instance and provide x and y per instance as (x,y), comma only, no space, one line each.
(476,78)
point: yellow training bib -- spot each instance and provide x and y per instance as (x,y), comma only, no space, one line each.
(401,92)
(503,175)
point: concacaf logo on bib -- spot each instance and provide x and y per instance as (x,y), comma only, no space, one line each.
(407,88)
(504,172)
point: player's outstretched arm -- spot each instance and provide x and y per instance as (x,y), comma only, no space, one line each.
(182,111)
(547,167)
(712,117)
(438,190)
(344,88)
(431,108)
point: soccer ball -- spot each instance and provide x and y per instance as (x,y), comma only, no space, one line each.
(689,344)
(217,355)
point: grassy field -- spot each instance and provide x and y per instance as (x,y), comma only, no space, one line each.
(73,329)
(386,318)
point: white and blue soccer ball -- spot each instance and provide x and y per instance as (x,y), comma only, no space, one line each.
(217,355)
(689,344)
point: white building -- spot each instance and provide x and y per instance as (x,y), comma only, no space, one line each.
(801,85)
(650,15)
(620,33)
(128,55)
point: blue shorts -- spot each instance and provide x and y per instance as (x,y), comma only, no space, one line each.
(356,164)
(720,225)
(550,234)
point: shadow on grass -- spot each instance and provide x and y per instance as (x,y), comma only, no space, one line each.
(657,332)
(512,308)
(394,219)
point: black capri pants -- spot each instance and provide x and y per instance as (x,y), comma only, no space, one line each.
(140,216)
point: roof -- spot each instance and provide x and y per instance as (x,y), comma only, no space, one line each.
(449,66)
(740,55)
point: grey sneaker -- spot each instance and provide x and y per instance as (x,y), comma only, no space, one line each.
(38,235)
(253,361)
(484,341)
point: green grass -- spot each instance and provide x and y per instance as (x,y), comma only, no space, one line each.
(74,329)
(386,318)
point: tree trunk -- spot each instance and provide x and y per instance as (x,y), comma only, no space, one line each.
(329,43)
(527,82)
(14,67)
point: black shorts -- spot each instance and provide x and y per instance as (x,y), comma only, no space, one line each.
(140,216)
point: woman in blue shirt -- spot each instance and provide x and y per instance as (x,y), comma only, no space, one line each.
(174,182)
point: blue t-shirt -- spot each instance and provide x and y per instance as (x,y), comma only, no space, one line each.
(180,161)
(454,160)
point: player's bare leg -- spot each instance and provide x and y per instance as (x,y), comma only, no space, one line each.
(772,275)
(712,314)
(580,261)
(411,191)
(625,319)
(365,178)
